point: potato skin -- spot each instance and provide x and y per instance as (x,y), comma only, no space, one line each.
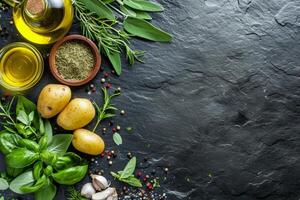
(53,99)
(77,114)
(88,142)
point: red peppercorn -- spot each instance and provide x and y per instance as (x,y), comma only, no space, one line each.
(145,179)
(102,155)
(109,154)
(94,89)
(139,174)
(106,75)
(114,130)
(149,186)
(108,85)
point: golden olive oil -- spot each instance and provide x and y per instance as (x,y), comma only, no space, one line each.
(21,67)
(43,21)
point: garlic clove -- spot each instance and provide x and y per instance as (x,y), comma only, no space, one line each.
(114,196)
(104,194)
(99,182)
(88,190)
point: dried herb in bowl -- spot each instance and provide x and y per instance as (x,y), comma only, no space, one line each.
(74,60)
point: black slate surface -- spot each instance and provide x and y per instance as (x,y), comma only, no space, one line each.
(220,105)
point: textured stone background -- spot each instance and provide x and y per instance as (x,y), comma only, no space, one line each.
(221,104)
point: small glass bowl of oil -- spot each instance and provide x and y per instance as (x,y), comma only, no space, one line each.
(21,67)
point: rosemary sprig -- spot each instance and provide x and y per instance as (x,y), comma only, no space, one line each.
(73,194)
(105,111)
(111,40)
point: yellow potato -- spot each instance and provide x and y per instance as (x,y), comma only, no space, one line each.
(53,99)
(88,142)
(77,114)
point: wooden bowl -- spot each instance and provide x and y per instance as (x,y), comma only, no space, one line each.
(95,52)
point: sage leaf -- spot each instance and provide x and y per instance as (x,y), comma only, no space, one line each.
(23,179)
(48,131)
(144,5)
(117,139)
(129,168)
(47,192)
(20,158)
(144,29)
(115,60)
(133,181)
(3,184)
(60,143)
(135,13)
(98,7)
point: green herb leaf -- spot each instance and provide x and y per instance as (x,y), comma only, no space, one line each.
(48,131)
(3,184)
(70,176)
(68,160)
(20,158)
(129,168)
(42,126)
(144,5)
(13,172)
(115,60)
(29,144)
(117,176)
(18,182)
(25,105)
(37,170)
(31,188)
(117,138)
(23,117)
(31,116)
(99,8)
(8,142)
(144,29)
(47,192)
(135,13)
(60,143)
(132,181)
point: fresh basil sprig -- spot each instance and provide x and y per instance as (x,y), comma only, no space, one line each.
(127,175)
(34,156)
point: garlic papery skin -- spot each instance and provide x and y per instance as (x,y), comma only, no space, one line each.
(87,190)
(104,194)
(99,182)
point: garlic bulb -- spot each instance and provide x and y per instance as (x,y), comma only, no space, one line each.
(104,195)
(87,190)
(99,182)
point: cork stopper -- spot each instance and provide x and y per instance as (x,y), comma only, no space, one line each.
(35,7)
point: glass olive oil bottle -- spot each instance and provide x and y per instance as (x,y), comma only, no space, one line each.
(43,21)
(21,67)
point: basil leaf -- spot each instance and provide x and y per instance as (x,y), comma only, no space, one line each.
(43,143)
(71,175)
(115,60)
(18,182)
(35,187)
(99,8)
(29,144)
(117,138)
(132,181)
(47,192)
(3,184)
(13,172)
(42,126)
(49,158)
(135,13)
(48,131)
(107,1)
(31,116)
(144,29)
(8,142)
(22,117)
(60,143)
(70,159)
(144,5)
(37,170)
(20,158)
(25,104)
(129,168)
